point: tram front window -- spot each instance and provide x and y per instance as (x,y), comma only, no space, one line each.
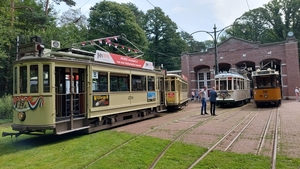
(264,82)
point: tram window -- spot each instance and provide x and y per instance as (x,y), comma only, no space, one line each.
(138,83)
(229,84)
(15,80)
(151,83)
(100,81)
(223,85)
(23,79)
(217,84)
(173,85)
(34,79)
(119,82)
(167,85)
(46,78)
(184,87)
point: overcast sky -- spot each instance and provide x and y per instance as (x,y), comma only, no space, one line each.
(189,15)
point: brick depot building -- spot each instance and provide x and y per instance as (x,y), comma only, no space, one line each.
(240,54)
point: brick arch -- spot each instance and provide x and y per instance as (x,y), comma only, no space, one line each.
(270,63)
(224,67)
(199,67)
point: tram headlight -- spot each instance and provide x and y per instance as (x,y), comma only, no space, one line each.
(266,95)
(21,116)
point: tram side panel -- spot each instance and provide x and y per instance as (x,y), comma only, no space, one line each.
(122,91)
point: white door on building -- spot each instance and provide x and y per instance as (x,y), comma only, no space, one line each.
(203,78)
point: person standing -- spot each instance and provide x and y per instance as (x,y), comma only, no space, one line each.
(193,95)
(297,94)
(203,100)
(213,100)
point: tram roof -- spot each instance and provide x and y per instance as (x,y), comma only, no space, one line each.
(266,72)
(231,73)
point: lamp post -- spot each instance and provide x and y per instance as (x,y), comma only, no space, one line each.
(215,37)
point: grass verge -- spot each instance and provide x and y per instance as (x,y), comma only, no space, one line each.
(81,150)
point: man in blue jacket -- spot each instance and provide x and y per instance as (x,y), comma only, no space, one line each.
(213,100)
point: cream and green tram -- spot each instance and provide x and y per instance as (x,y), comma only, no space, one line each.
(176,91)
(74,90)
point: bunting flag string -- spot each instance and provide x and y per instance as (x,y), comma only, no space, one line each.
(109,41)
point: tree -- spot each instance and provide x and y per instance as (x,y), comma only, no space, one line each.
(165,42)
(110,19)
(269,23)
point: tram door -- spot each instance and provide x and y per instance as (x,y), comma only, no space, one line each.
(70,93)
(161,88)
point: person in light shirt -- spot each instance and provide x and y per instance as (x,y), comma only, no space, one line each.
(297,94)
(203,95)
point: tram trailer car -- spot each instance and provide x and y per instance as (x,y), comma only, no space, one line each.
(74,90)
(232,88)
(176,91)
(267,88)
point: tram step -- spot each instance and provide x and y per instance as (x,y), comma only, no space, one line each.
(72,130)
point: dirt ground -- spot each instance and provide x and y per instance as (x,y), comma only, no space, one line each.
(169,125)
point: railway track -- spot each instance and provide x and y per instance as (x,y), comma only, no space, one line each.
(168,120)
(236,133)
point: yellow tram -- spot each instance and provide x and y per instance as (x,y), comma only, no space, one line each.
(267,88)
(71,90)
(176,91)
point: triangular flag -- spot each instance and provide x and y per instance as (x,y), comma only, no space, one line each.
(129,49)
(116,45)
(122,47)
(116,38)
(83,43)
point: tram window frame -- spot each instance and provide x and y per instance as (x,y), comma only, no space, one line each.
(151,83)
(15,80)
(46,78)
(101,80)
(138,83)
(23,79)
(121,82)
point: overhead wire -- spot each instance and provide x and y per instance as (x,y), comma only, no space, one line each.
(248,4)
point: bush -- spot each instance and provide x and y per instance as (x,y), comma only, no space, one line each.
(6,108)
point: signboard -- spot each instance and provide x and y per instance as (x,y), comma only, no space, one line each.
(100,100)
(112,58)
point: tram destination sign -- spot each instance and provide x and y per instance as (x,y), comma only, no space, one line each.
(112,58)
(26,48)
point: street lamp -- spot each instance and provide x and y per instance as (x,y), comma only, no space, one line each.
(215,36)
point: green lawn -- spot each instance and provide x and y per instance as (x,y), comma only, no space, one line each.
(83,151)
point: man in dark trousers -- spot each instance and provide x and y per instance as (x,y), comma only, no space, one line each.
(213,100)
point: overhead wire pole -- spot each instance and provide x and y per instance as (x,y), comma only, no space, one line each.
(215,37)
